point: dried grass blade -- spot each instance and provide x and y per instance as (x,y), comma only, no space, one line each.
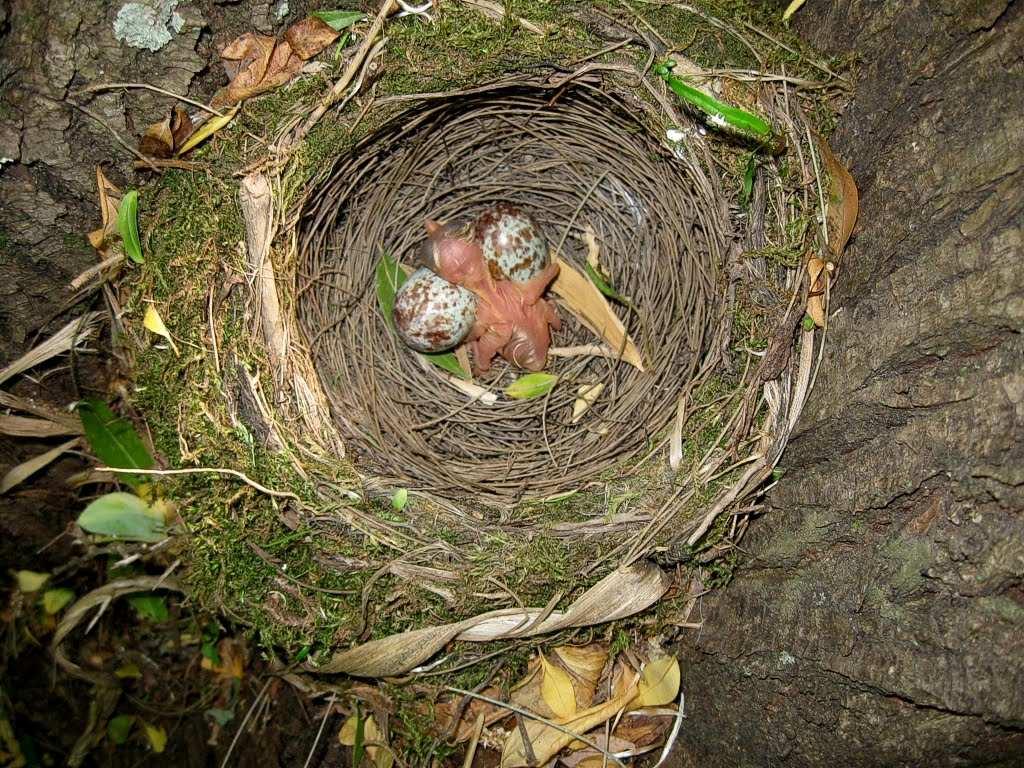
(23,426)
(590,306)
(17,475)
(623,592)
(60,342)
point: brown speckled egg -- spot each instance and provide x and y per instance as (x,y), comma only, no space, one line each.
(514,246)
(431,314)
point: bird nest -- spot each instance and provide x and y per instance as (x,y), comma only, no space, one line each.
(601,186)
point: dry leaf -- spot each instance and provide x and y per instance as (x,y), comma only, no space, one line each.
(310,36)
(162,139)
(643,730)
(581,757)
(259,63)
(591,308)
(109,202)
(75,332)
(586,396)
(444,712)
(557,690)
(584,664)
(792,8)
(232,660)
(376,744)
(659,682)
(347,734)
(207,129)
(843,200)
(155,324)
(546,742)
(818,276)
(18,474)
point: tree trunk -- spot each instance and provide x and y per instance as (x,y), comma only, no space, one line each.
(879,619)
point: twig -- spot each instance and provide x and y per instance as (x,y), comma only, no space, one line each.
(319,733)
(245,720)
(204,471)
(100,87)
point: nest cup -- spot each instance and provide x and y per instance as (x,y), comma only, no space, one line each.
(575,158)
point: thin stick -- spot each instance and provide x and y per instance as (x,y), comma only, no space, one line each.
(204,471)
(89,113)
(252,708)
(319,733)
(99,87)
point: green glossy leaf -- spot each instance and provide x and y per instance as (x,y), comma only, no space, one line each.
(123,516)
(748,181)
(721,114)
(602,285)
(119,728)
(113,439)
(220,716)
(360,739)
(808,323)
(400,499)
(150,607)
(390,278)
(55,599)
(531,385)
(339,20)
(128,225)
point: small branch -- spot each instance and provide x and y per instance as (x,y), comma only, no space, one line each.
(100,87)
(203,471)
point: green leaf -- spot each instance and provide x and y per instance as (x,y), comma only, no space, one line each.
(31,581)
(303,654)
(123,516)
(390,278)
(128,225)
(602,285)
(150,607)
(748,181)
(338,20)
(55,599)
(360,739)
(531,385)
(447,361)
(720,113)
(119,728)
(220,716)
(400,499)
(808,323)
(113,439)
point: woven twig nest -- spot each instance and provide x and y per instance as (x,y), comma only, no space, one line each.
(414,508)
(577,160)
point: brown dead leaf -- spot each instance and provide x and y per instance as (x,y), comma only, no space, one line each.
(584,665)
(109,200)
(818,275)
(843,199)
(232,660)
(444,712)
(643,730)
(309,36)
(258,63)
(161,140)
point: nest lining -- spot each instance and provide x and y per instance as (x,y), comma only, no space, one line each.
(574,159)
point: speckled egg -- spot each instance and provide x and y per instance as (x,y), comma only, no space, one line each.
(514,246)
(431,314)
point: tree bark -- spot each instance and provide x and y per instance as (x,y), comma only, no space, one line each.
(879,619)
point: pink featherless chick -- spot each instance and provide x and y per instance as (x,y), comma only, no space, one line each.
(512,319)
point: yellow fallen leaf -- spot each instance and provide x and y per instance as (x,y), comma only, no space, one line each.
(376,744)
(659,683)
(207,129)
(546,742)
(584,664)
(31,581)
(156,736)
(556,688)
(347,734)
(128,671)
(792,8)
(586,396)
(155,323)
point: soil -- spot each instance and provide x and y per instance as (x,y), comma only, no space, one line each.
(880,615)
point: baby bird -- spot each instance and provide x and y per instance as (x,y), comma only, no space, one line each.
(512,319)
